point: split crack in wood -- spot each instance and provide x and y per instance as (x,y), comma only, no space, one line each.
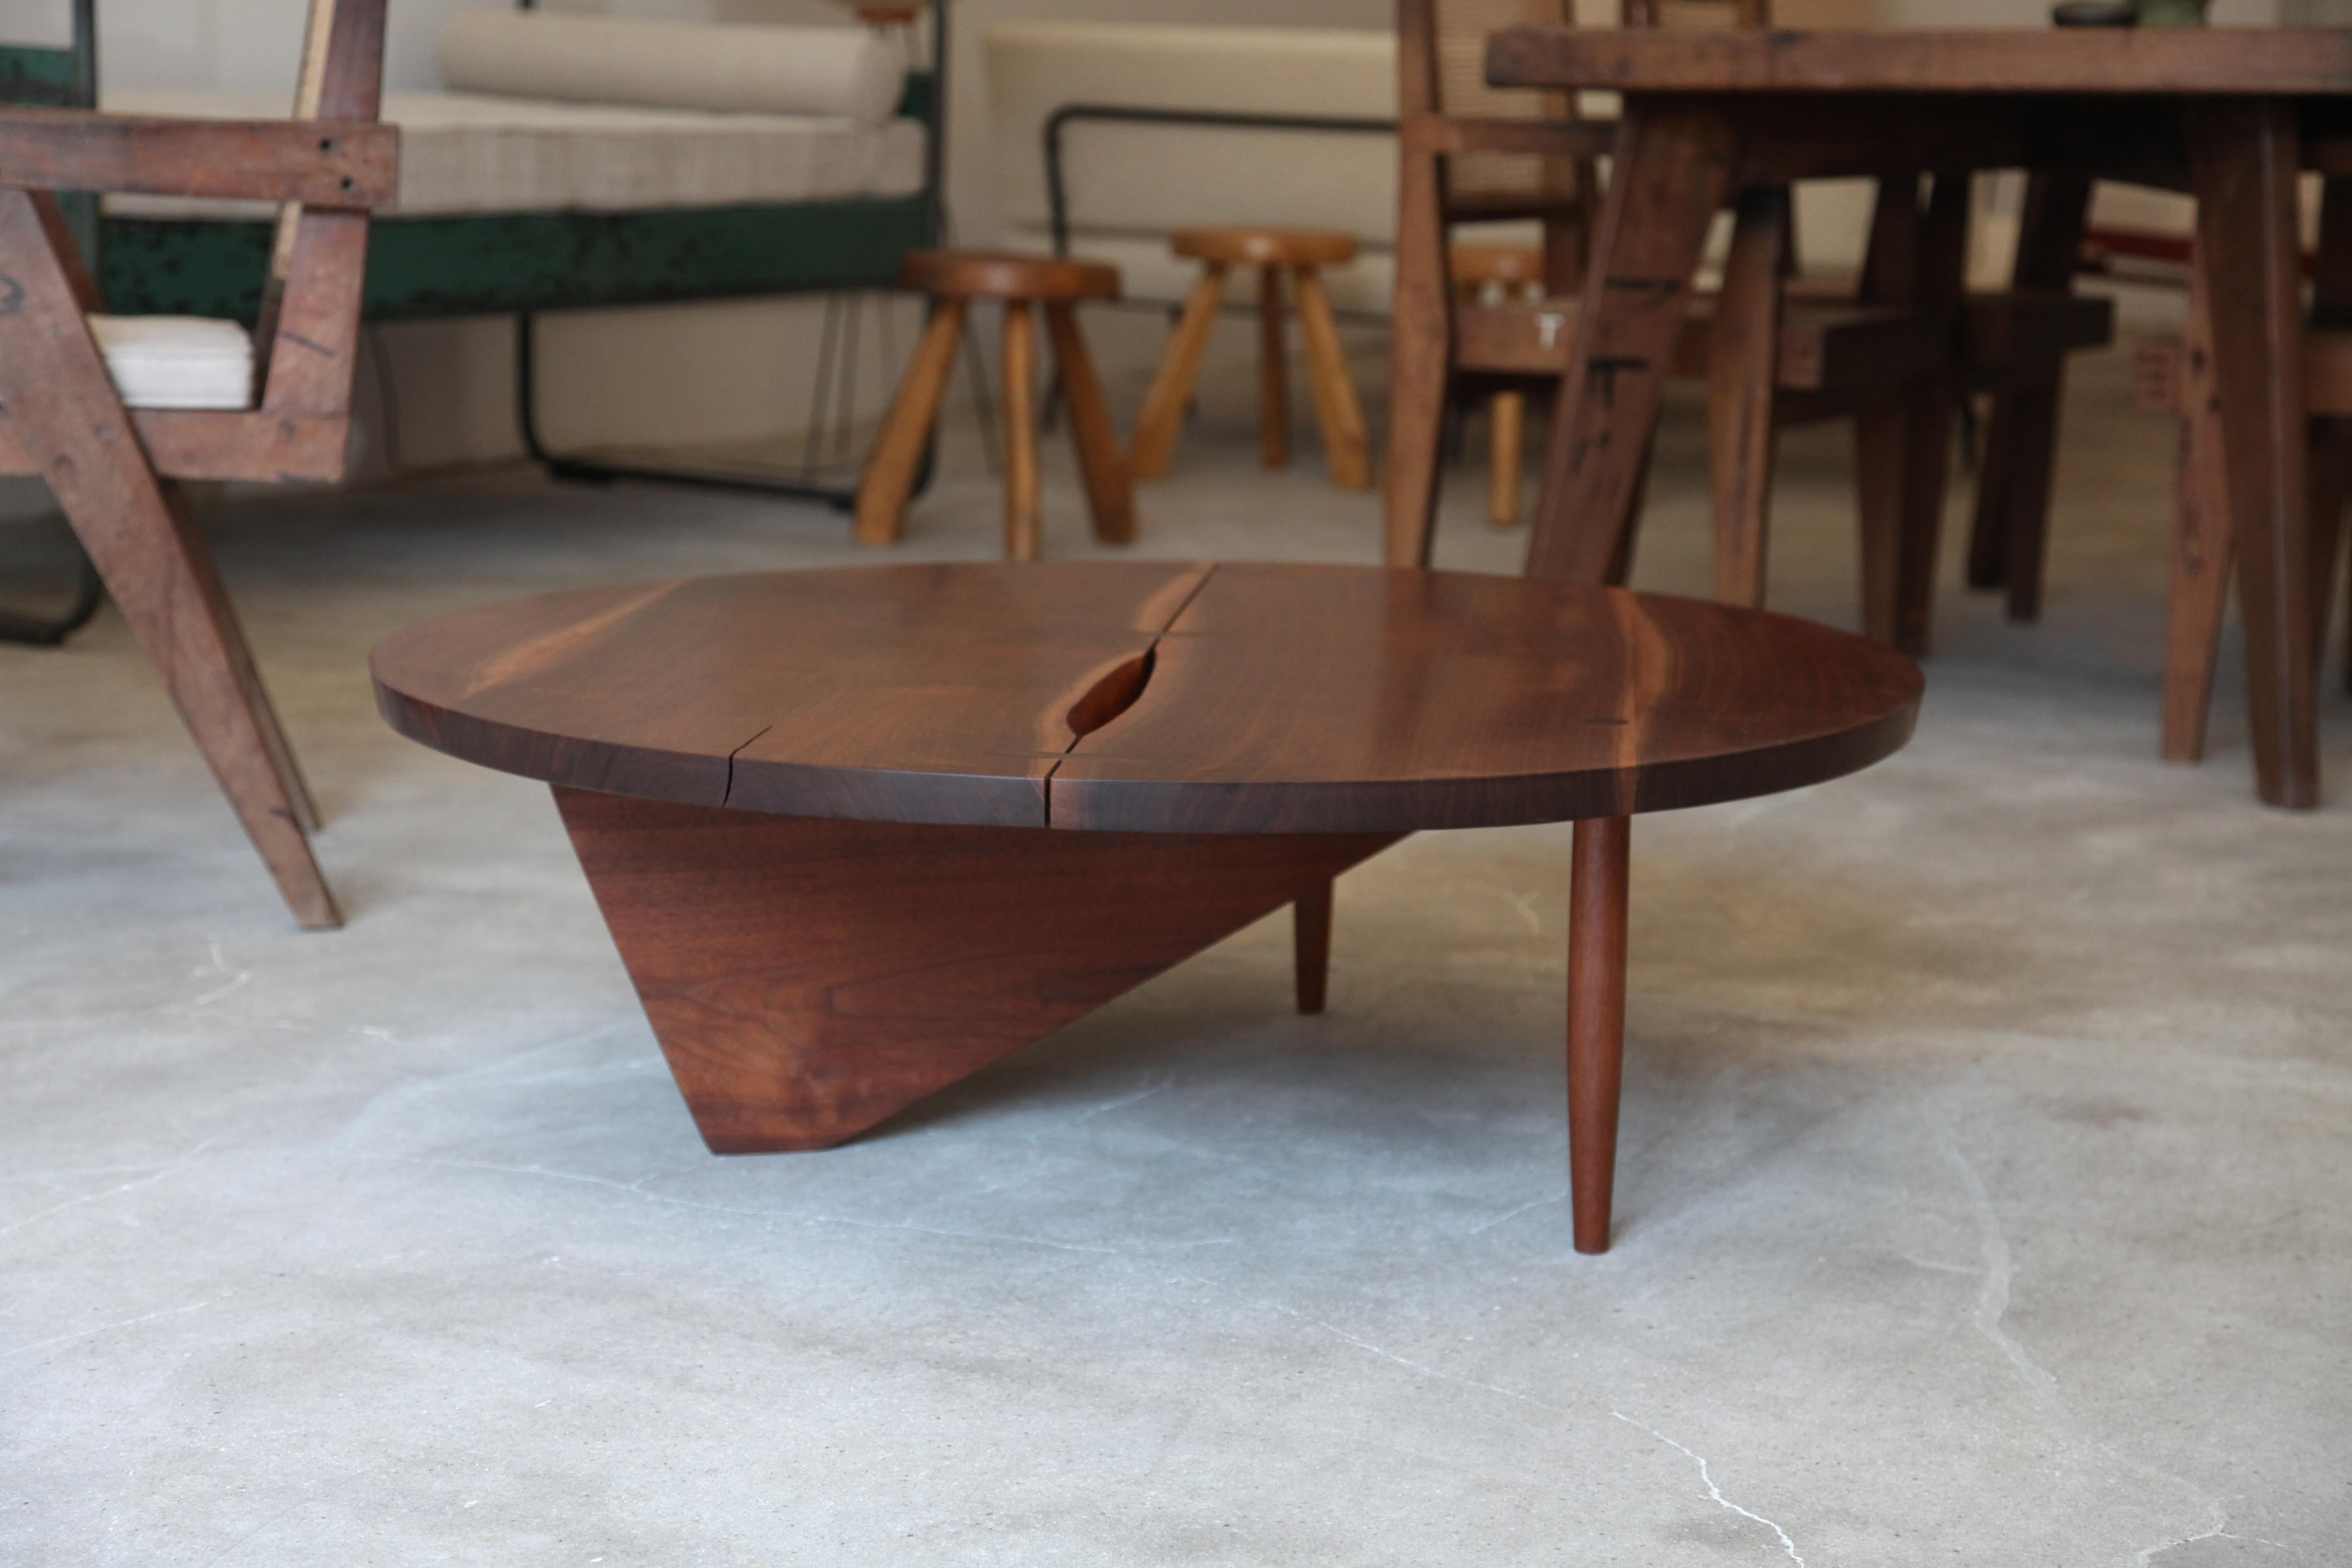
(1118,689)
(726,792)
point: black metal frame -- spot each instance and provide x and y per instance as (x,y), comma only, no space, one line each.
(1057,196)
(795,484)
(89,588)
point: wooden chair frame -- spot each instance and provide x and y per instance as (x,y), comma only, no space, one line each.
(114,471)
(1894,357)
(1771,356)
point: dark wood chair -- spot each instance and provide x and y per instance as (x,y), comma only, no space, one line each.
(1775,348)
(69,414)
(1772,353)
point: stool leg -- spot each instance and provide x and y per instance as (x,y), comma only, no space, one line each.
(1111,500)
(1507,416)
(889,477)
(1310,935)
(1340,417)
(1596,1020)
(1272,390)
(1024,515)
(1180,367)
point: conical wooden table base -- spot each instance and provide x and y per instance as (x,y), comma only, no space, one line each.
(809,978)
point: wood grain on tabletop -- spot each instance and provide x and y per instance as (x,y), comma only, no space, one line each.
(1276,698)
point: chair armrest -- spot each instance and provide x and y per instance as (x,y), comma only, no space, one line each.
(319,163)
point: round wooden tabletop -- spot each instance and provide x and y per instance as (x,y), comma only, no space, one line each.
(1149,696)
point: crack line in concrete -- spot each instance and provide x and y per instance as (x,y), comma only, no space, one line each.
(1713,1490)
(1992,1307)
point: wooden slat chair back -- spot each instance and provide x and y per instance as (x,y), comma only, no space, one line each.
(112,468)
(1467,151)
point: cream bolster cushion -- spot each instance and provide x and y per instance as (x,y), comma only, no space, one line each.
(729,67)
(176,362)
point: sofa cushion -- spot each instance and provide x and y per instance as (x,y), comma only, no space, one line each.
(734,68)
(176,362)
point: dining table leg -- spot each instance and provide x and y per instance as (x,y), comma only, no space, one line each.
(2244,152)
(1674,166)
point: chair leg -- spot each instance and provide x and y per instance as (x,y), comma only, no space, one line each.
(1337,411)
(63,408)
(1421,347)
(1310,935)
(273,729)
(2025,420)
(1988,525)
(1596,1020)
(2331,483)
(1154,441)
(1507,428)
(1273,377)
(1110,499)
(1743,355)
(1025,521)
(1905,449)
(889,477)
(2200,577)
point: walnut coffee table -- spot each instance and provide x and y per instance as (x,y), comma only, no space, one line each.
(858,834)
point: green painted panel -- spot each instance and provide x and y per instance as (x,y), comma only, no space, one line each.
(500,262)
(42,78)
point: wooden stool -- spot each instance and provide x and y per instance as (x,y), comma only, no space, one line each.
(955,279)
(1489,274)
(1273,252)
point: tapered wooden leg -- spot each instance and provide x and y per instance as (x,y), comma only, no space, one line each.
(1673,170)
(1310,936)
(273,729)
(2244,154)
(1154,441)
(889,476)
(61,406)
(1025,518)
(1110,499)
(1273,373)
(1421,349)
(1596,1020)
(2025,429)
(2008,544)
(1507,434)
(1337,411)
(809,977)
(1904,449)
(2200,545)
(1743,356)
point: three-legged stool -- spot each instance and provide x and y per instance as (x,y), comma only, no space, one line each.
(955,279)
(1273,252)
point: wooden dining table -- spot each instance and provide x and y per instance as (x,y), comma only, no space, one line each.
(2231,116)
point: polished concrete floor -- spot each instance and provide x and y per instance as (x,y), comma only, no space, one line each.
(1983,1201)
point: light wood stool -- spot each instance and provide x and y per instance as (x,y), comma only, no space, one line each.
(955,279)
(1273,252)
(1490,275)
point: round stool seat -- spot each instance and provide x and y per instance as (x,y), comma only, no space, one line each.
(1264,247)
(998,275)
(1513,265)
